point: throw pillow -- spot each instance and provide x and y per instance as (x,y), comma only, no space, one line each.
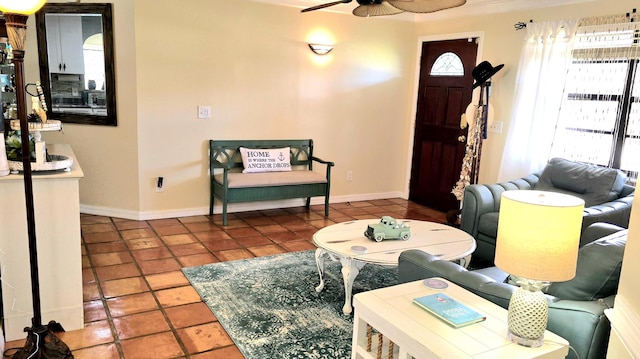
(597,272)
(594,184)
(266,160)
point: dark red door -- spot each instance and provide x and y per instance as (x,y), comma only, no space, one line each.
(444,91)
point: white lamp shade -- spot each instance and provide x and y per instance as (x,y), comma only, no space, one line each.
(24,7)
(539,235)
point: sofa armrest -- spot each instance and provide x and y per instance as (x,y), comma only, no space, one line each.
(416,264)
(480,199)
(591,337)
(598,230)
(615,212)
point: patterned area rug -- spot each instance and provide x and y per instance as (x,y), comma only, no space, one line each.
(270,308)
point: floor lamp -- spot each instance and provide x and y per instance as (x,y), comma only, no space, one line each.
(41,342)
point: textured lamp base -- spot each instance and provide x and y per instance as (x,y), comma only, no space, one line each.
(527,318)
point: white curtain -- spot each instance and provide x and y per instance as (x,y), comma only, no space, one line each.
(542,71)
(600,113)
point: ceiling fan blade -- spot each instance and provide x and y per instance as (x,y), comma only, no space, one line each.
(322,6)
(376,10)
(425,6)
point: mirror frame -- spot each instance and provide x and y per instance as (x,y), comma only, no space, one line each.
(105,10)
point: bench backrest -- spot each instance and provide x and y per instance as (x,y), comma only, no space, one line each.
(228,152)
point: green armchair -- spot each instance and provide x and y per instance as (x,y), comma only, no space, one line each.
(576,307)
(607,199)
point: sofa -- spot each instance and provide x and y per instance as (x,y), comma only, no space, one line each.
(576,307)
(607,199)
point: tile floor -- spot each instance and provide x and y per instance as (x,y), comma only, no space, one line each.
(137,302)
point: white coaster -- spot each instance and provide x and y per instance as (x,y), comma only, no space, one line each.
(359,249)
(435,283)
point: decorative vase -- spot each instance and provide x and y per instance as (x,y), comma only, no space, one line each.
(4,164)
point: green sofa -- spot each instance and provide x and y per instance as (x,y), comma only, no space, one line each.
(607,199)
(576,307)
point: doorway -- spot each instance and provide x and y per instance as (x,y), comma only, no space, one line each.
(444,91)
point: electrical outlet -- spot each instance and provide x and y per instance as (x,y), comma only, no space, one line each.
(204,111)
(349,176)
(495,126)
(160,184)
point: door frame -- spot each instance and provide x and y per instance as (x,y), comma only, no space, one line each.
(479,35)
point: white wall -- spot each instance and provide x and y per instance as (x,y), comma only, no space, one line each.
(250,63)
(108,155)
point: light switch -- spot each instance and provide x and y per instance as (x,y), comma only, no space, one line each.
(204,111)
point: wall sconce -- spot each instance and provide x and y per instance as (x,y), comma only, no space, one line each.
(320,49)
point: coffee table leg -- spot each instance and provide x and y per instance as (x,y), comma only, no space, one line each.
(465,261)
(320,264)
(350,270)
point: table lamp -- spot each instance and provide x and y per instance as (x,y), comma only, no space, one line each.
(537,242)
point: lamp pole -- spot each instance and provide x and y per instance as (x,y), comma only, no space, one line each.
(41,342)
(16,24)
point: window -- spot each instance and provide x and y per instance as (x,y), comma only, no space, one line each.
(599,121)
(447,64)
(93,52)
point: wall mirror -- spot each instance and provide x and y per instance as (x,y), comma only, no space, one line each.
(75,47)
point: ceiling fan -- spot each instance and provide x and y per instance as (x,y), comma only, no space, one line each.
(391,7)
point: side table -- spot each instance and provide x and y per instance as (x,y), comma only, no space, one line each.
(388,325)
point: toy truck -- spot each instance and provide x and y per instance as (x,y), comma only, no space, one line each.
(388,228)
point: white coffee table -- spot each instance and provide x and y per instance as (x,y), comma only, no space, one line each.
(336,241)
(408,331)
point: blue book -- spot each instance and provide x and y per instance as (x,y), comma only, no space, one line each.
(449,310)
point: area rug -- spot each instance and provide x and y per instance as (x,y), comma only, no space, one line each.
(269,306)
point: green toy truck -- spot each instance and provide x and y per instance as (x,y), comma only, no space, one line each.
(388,228)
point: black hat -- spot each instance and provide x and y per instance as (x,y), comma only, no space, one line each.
(483,72)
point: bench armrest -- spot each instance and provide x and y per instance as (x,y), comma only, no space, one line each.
(328,163)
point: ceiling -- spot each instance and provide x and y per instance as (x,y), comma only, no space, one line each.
(472,7)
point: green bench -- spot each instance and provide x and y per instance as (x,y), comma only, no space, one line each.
(230,185)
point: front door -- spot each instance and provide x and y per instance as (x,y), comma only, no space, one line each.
(444,91)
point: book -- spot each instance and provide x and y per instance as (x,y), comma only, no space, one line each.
(449,310)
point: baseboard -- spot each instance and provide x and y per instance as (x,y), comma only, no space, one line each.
(232,208)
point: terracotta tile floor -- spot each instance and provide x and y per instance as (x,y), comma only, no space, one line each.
(137,302)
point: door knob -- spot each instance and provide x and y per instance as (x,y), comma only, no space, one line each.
(462,138)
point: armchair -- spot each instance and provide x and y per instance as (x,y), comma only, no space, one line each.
(576,307)
(607,199)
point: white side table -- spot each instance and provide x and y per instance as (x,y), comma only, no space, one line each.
(408,331)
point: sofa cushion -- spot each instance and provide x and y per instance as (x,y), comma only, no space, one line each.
(597,272)
(266,179)
(594,184)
